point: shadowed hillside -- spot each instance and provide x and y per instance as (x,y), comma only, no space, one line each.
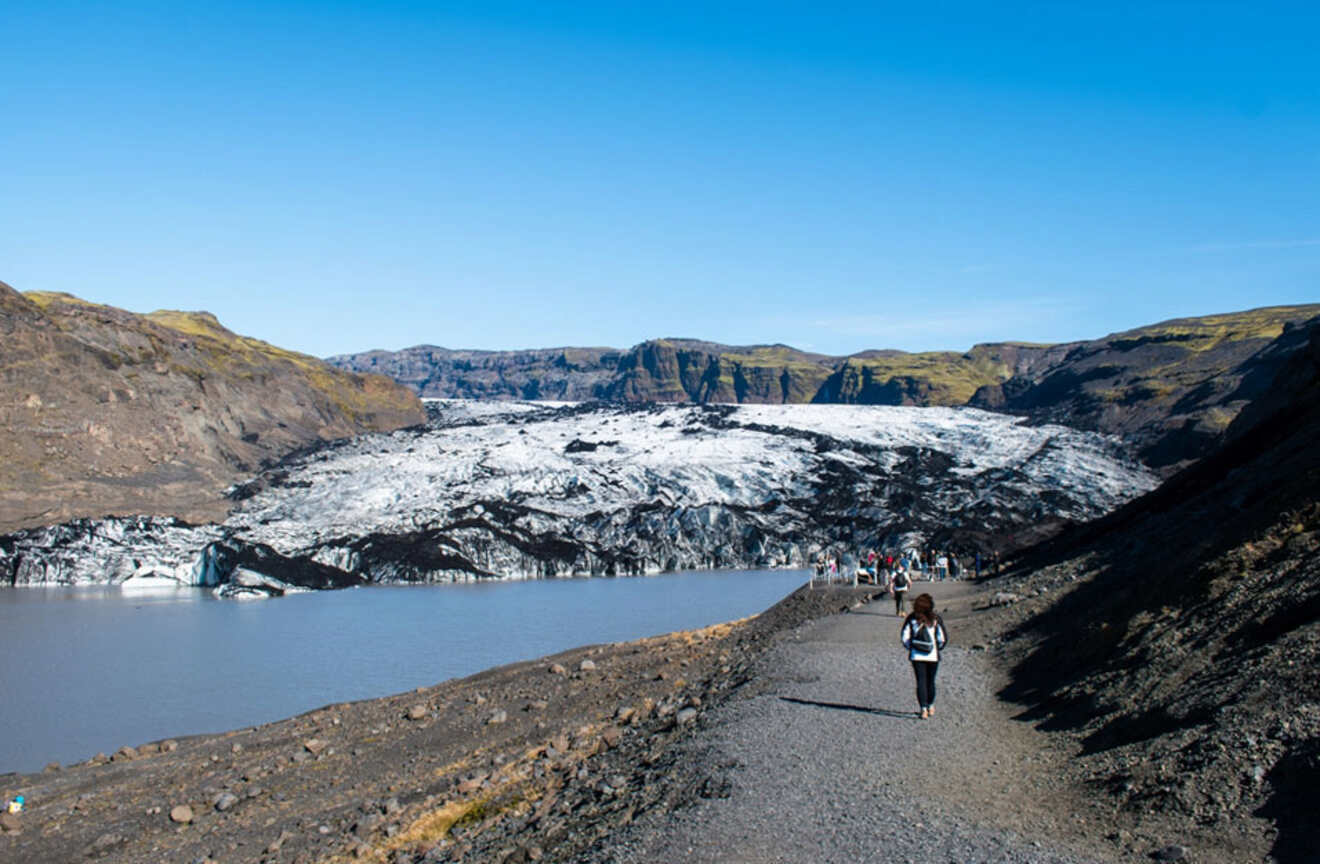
(105,411)
(1183,650)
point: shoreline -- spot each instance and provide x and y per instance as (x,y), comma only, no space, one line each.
(95,673)
(364,778)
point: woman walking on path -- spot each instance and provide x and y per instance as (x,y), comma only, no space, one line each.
(924,637)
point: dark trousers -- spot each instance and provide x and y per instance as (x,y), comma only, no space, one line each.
(898,601)
(925,672)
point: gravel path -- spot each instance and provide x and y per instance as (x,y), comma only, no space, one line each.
(828,762)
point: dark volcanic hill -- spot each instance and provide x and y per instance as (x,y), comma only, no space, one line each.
(1184,648)
(105,411)
(1172,388)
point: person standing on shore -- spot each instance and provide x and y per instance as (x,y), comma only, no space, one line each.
(924,638)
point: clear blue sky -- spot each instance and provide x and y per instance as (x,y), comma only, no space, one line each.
(335,177)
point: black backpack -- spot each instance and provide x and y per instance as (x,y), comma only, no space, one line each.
(923,640)
(902,580)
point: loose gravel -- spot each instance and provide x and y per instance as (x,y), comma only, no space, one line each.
(829,762)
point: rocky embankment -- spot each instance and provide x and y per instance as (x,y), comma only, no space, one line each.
(523,490)
(104,411)
(1178,638)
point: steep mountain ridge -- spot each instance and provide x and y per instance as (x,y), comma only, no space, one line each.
(1183,644)
(107,411)
(1172,388)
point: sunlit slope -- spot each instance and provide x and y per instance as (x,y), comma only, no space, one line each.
(106,411)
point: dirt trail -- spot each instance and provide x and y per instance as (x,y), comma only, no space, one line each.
(825,760)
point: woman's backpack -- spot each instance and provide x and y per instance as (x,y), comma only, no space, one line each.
(923,640)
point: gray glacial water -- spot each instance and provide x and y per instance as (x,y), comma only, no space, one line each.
(91,669)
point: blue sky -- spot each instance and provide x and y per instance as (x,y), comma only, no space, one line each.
(334,177)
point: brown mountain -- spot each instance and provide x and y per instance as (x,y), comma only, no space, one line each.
(105,411)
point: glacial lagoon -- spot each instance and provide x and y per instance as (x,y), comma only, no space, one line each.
(94,668)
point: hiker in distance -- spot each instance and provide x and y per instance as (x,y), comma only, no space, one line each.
(924,637)
(902,582)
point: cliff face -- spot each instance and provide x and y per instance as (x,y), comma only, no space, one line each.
(687,370)
(553,374)
(106,411)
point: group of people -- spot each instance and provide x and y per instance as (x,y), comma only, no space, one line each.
(923,634)
(882,567)
(896,571)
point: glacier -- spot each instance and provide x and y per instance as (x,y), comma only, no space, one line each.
(531,490)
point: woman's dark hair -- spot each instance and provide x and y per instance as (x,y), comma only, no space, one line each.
(923,609)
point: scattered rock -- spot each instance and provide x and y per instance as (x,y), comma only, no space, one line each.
(10,823)
(51,766)
(1172,852)
(611,736)
(625,713)
(499,716)
(587,665)
(687,715)
(1004,598)
(181,814)
(169,746)
(557,669)
(225,800)
(417,712)
(315,746)
(103,844)
(124,754)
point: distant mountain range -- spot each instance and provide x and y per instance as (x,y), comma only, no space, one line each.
(1171,388)
(105,411)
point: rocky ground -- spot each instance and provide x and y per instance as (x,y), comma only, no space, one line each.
(784,737)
